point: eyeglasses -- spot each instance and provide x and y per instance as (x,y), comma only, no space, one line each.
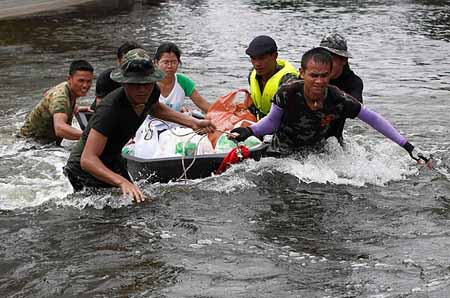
(140,67)
(167,62)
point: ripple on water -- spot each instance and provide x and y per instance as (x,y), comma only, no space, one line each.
(359,222)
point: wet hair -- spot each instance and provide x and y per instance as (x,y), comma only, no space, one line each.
(318,55)
(80,65)
(168,47)
(126,47)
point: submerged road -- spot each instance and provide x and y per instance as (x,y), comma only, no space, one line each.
(15,8)
(360,221)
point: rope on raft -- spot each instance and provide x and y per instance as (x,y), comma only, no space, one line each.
(235,155)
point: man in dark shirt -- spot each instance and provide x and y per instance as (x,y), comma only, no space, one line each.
(96,159)
(105,84)
(341,75)
(304,111)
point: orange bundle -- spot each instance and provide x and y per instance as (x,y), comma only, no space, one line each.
(225,113)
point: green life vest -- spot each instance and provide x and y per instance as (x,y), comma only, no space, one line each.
(263,101)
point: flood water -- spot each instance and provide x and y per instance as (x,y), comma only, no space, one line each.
(361,222)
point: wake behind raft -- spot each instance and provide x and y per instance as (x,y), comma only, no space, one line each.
(178,153)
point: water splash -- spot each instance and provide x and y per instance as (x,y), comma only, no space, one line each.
(31,176)
(359,164)
(97,199)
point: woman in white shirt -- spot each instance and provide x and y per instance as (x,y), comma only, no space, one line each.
(175,87)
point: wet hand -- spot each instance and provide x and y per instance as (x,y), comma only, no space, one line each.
(131,190)
(240,134)
(418,156)
(204,126)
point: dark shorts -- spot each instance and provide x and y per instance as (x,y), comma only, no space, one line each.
(81,179)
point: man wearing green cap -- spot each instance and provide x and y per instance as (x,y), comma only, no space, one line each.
(96,160)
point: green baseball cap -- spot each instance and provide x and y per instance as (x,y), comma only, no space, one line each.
(137,68)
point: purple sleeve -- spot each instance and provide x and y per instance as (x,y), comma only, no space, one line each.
(269,123)
(382,125)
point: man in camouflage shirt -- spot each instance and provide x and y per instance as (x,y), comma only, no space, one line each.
(305,112)
(51,119)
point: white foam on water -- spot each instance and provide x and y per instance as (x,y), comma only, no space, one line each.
(443,171)
(110,197)
(32,193)
(231,181)
(362,162)
(10,149)
(37,178)
(375,163)
(99,200)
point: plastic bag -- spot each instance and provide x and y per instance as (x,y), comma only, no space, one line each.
(146,142)
(128,149)
(252,142)
(186,148)
(224,113)
(182,141)
(224,145)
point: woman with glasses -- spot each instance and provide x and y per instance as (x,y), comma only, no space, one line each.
(175,87)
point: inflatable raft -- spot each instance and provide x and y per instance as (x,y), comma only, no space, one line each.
(180,167)
(165,169)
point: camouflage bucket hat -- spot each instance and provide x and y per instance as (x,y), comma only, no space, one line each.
(336,44)
(137,68)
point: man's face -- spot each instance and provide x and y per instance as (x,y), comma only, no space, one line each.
(264,64)
(80,82)
(138,93)
(316,77)
(338,65)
